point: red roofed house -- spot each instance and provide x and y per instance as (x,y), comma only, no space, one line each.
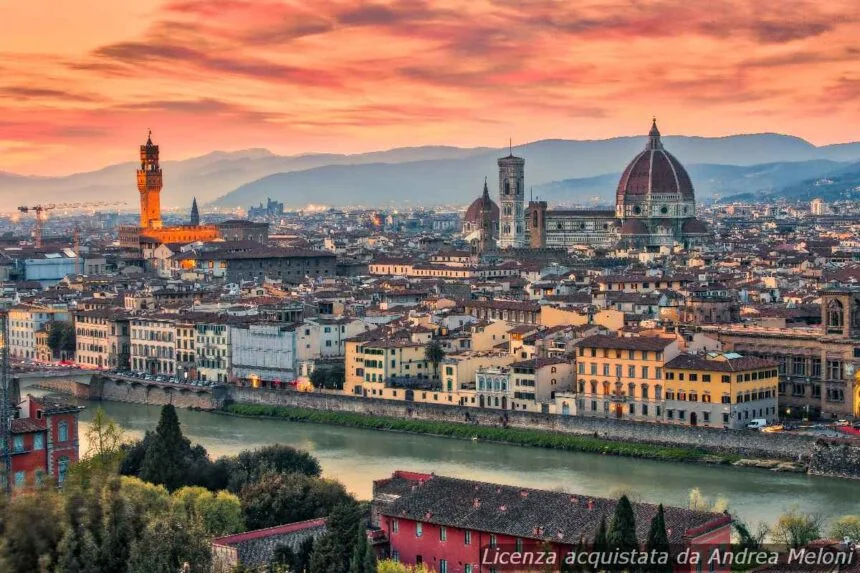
(449,523)
(44,441)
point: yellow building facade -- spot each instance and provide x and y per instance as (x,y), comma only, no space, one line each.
(720,390)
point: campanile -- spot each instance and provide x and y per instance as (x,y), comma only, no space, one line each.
(149,184)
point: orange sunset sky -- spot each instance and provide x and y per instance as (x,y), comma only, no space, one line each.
(80,82)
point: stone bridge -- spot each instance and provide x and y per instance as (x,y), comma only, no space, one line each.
(90,385)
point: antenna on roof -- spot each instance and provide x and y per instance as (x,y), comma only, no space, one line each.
(511,146)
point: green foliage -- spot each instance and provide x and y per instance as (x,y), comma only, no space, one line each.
(622,528)
(216,513)
(658,540)
(519,436)
(169,542)
(330,377)
(32,529)
(78,551)
(119,534)
(434,353)
(61,337)
(294,561)
(389,566)
(332,551)
(233,473)
(169,459)
(846,526)
(698,502)
(284,498)
(746,538)
(796,529)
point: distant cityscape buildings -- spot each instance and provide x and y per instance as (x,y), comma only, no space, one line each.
(272,209)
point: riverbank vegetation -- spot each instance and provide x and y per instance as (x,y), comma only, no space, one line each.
(154,505)
(507,435)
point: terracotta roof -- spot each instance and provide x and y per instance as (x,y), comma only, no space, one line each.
(625,342)
(28,425)
(655,170)
(268,532)
(525,512)
(696,362)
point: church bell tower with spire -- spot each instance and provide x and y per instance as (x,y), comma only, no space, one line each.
(149,184)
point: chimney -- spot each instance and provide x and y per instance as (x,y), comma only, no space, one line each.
(590,504)
(524,493)
(476,503)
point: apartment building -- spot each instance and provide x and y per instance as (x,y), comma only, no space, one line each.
(25,320)
(720,390)
(153,344)
(212,349)
(622,376)
(103,339)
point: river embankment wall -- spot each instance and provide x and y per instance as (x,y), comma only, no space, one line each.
(789,447)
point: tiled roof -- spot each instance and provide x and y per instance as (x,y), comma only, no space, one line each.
(625,342)
(524,512)
(696,362)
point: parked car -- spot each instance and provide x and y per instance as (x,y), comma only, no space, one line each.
(757,424)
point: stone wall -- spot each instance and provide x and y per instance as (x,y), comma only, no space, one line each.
(140,393)
(836,458)
(256,552)
(69,386)
(742,442)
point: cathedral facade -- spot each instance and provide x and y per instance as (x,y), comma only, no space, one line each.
(655,206)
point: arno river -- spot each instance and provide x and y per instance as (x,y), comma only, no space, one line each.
(357,457)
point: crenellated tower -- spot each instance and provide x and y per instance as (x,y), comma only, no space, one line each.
(149,184)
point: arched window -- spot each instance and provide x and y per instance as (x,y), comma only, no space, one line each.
(658,392)
(594,387)
(63,432)
(606,388)
(552,370)
(631,389)
(507,187)
(834,314)
(644,391)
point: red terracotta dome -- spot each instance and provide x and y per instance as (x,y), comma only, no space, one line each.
(633,227)
(694,227)
(655,170)
(473,213)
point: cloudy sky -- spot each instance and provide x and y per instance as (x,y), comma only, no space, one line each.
(82,81)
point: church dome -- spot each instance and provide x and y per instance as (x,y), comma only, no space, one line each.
(473,213)
(694,227)
(654,171)
(632,227)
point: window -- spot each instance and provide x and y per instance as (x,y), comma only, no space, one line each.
(395,526)
(18,444)
(39,441)
(443,533)
(645,372)
(63,432)
(631,372)
(467,568)
(20,479)
(62,469)
(395,556)
(443,566)
(694,377)
(419,529)
(493,540)
(467,537)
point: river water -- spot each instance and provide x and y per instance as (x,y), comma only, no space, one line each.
(357,457)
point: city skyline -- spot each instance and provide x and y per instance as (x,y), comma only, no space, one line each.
(81,82)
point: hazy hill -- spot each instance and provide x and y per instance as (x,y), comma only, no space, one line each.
(406,175)
(711,181)
(833,185)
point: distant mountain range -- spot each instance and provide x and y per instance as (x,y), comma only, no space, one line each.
(832,185)
(560,171)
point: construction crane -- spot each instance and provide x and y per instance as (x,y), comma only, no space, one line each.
(41,212)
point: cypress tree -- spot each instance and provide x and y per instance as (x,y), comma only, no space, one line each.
(118,534)
(356,564)
(601,543)
(622,529)
(168,454)
(77,551)
(658,541)
(369,553)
